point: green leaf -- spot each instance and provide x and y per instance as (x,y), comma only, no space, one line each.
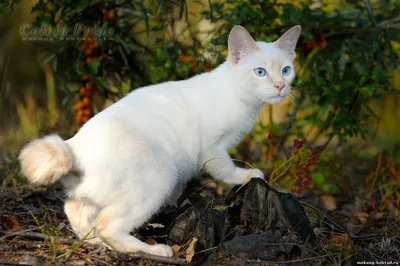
(80,70)
(363,80)
(318,178)
(94,66)
(42,20)
(82,5)
(100,82)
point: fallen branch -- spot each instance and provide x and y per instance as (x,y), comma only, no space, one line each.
(37,236)
(10,262)
(64,240)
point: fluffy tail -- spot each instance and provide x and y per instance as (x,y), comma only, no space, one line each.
(44,161)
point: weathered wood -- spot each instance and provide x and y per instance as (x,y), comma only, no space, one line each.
(207,225)
(267,223)
(257,208)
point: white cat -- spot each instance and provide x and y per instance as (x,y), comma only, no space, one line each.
(137,155)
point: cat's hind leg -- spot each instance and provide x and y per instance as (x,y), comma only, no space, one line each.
(115,222)
(81,215)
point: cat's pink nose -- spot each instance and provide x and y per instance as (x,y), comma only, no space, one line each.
(279,86)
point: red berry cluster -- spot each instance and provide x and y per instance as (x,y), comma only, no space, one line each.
(108,14)
(90,49)
(316,42)
(184,58)
(84,107)
(307,157)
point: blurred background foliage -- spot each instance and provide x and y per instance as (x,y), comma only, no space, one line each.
(339,130)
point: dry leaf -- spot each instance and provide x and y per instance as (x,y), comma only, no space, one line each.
(329,202)
(361,216)
(177,253)
(190,250)
(13,224)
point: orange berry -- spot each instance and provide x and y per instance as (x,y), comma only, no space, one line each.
(89,60)
(82,91)
(85,77)
(88,85)
(85,119)
(185,58)
(103,10)
(87,112)
(111,15)
(86,101)
(78,106)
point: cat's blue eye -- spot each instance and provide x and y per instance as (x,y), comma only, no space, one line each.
(286,70)
(260,72)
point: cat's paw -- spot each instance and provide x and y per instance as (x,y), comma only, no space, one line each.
(254,173)
(161,250)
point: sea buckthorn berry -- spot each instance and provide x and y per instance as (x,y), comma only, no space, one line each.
(87,112)
(111,15)
(78,106)
(86,101)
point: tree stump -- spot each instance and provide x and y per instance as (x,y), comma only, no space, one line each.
(256,208)
(259,222)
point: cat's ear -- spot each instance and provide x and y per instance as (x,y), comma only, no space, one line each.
(288,41)
(240,44)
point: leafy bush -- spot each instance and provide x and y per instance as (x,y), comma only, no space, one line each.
(346,55)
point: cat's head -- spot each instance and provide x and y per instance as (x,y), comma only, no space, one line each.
(263,70)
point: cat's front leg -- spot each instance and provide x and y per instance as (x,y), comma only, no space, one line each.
(218,164)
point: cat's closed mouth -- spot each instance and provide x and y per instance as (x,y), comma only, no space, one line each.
(275,99)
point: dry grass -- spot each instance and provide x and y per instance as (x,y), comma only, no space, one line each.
(34,231)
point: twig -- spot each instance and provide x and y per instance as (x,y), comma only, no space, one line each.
(36,236)
(40,236)
(10,262)
(367,237)
(325,215)
(176,261)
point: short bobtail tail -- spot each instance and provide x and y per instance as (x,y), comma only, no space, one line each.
(44,161)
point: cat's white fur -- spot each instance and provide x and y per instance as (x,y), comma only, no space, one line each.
(137,155)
